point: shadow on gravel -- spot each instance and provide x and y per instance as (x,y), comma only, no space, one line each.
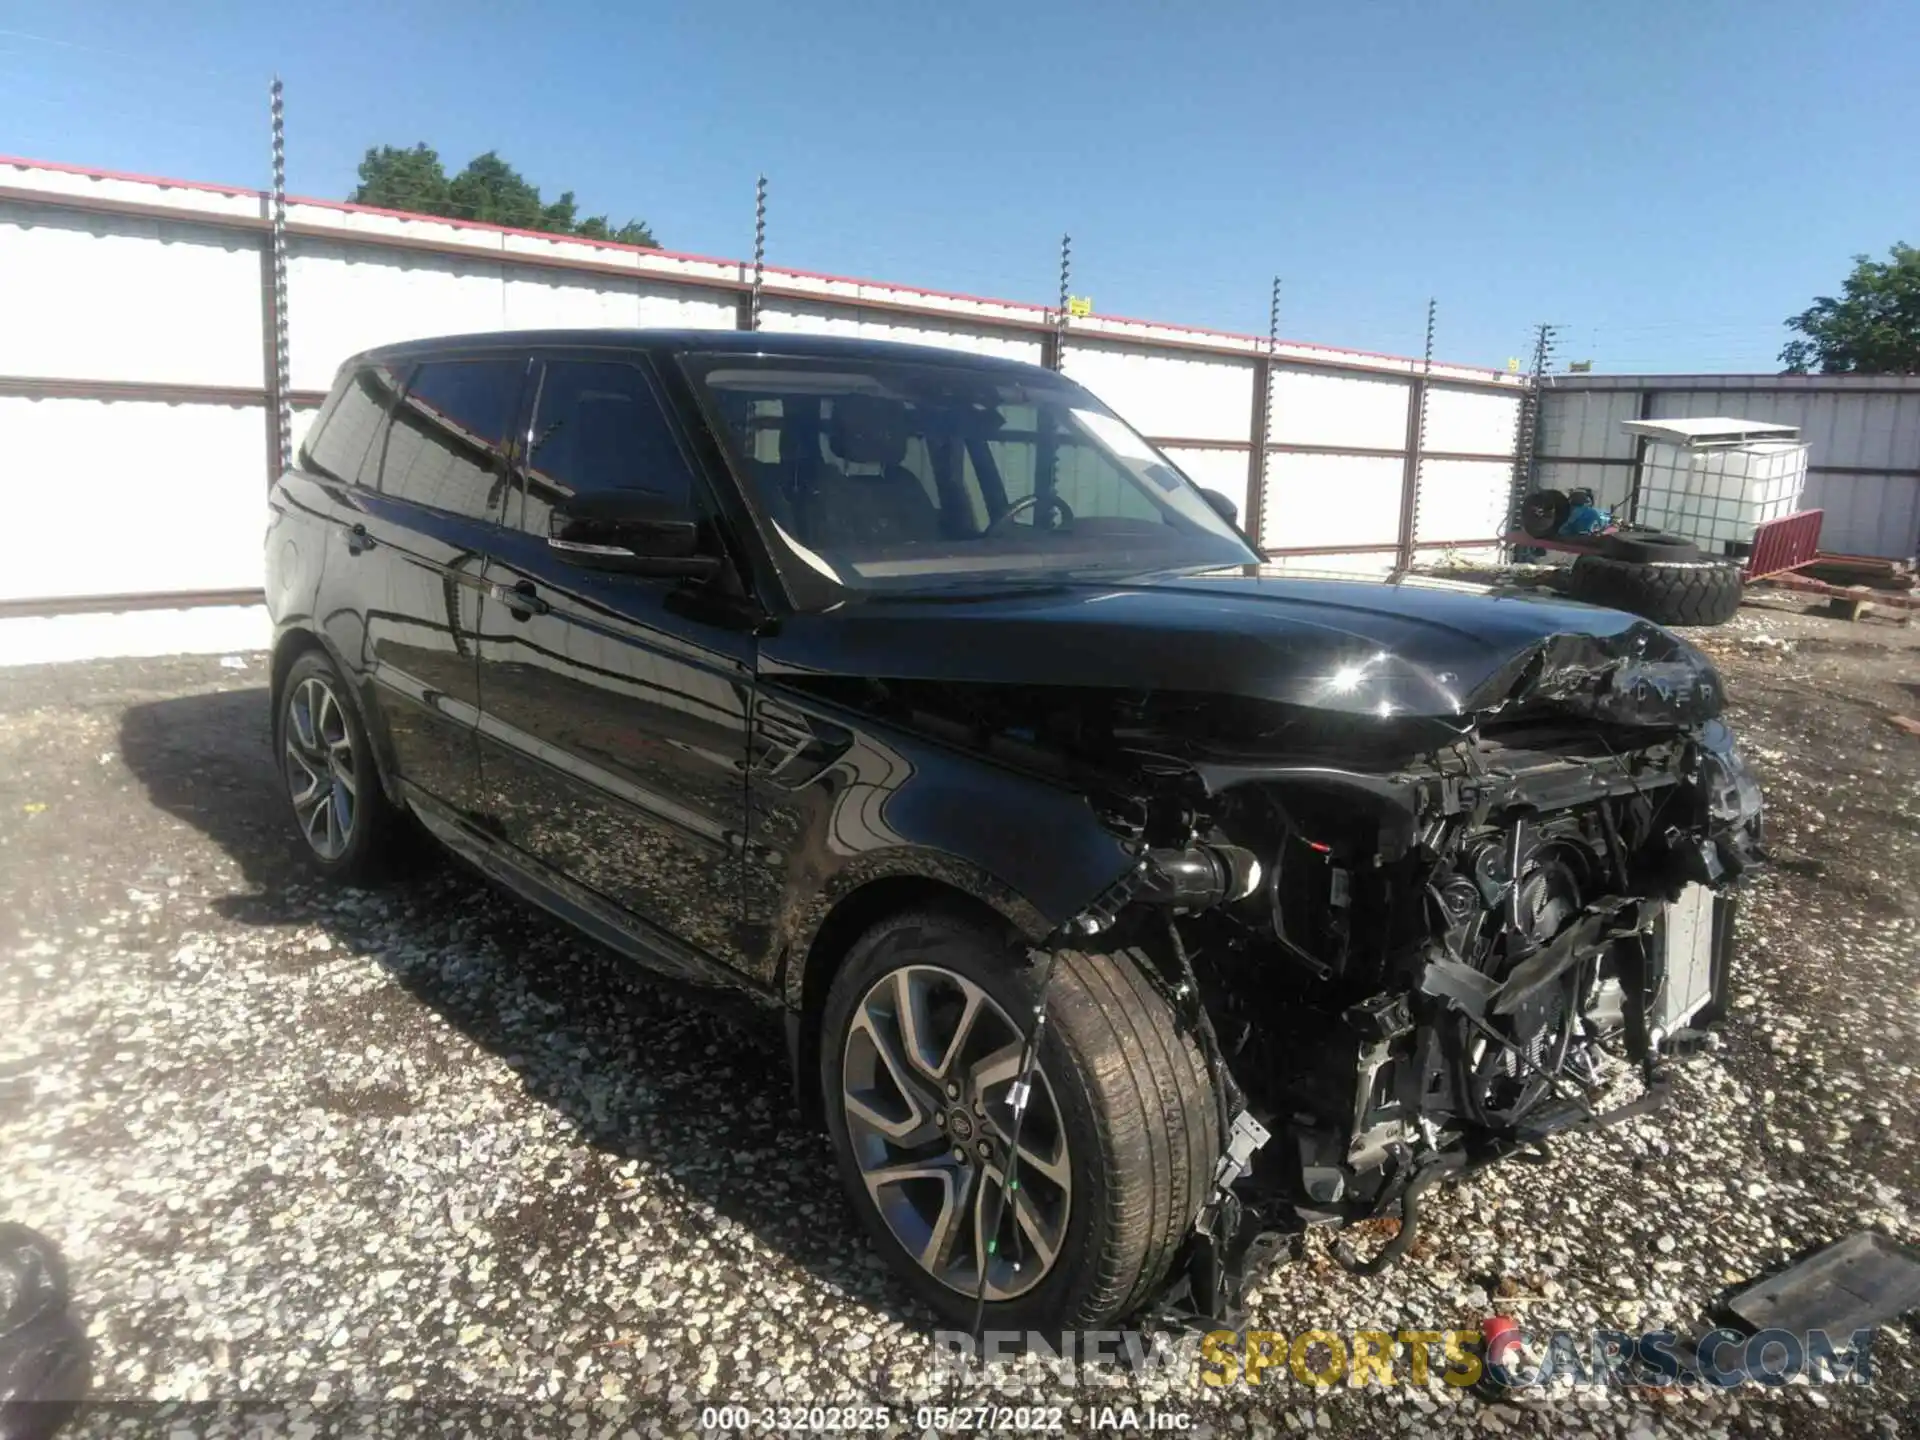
(642,1069)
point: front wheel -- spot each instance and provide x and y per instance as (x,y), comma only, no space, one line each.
(924,1030)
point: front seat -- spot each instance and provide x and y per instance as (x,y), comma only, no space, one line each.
(884,504)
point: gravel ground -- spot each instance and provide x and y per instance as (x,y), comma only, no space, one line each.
(417,1158)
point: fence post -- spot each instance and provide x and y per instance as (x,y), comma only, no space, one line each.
(746,313)
(1261,426)
(274,300)
(1527,431)
(1053,346)
(1415,457)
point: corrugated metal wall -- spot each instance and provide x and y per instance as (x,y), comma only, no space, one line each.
(1864,434)
(134,367)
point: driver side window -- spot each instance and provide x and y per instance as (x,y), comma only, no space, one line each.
(597,427)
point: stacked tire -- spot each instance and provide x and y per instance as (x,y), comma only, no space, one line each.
(1662,577)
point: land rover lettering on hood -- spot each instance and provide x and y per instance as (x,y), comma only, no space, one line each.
(1127,904)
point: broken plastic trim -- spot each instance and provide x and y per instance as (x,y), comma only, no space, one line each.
(1642,676)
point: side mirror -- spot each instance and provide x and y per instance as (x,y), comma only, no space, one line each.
(1223,505)
(633,531)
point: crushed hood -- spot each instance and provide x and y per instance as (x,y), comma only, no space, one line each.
(1403,649)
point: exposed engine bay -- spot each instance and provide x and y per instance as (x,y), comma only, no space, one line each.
(1409,972)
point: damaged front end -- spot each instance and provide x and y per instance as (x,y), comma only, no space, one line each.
(1410,946)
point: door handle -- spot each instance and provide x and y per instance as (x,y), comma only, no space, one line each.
(522,600)
(359,541)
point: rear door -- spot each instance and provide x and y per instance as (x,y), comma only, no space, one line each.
(421,544)
(615,707)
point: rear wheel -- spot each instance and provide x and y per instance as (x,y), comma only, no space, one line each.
(924,1029)
(346,824)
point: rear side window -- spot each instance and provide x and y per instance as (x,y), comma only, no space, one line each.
(598,426)
(341,444)
(448,442)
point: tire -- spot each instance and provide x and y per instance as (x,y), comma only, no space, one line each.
(1126,1091)
(1679,592)
(1543,512)
(358,836)
(1647,547)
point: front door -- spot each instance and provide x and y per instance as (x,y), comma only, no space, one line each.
(613,730)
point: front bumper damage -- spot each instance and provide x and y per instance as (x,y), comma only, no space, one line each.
(1540,910)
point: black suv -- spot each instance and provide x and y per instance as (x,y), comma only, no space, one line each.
(1128,904)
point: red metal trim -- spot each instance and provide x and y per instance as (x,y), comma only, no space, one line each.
(112,205)
(113,604)
(1219,342)
(414,218)
(152,392)
(1391,547)
(1784,544)
(49,387)
(1896,599)
(19,162)
(1476,371)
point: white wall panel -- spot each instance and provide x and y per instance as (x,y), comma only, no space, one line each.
(1863,429)
(1369,566)
(1471,422)
(1177,396)
(538,299)
(1321,407)
(794,317)
(60,639)
(1462,499)
(1331,500)
(1586,423)
(342,299)
(109,297)
(1866,514)
(175,495)
(1222,470)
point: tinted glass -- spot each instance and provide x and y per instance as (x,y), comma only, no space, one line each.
(340,445)
(597,426)
(878,475)
(447,446)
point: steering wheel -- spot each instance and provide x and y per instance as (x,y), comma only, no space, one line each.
(1056,507)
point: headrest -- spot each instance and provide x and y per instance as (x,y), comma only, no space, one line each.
(869,430)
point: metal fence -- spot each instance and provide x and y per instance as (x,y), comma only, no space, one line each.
(156,331)
(1863,433)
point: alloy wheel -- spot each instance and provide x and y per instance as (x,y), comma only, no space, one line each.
(927,1080)
(319,765)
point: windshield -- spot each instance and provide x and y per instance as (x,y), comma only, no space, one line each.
(879,475)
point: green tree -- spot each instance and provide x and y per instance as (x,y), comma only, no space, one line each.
(396,179)
(488,190)
(1873,328)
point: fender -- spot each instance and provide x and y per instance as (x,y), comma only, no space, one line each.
(847,807)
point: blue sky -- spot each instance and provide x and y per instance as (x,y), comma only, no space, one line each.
(1666,180)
